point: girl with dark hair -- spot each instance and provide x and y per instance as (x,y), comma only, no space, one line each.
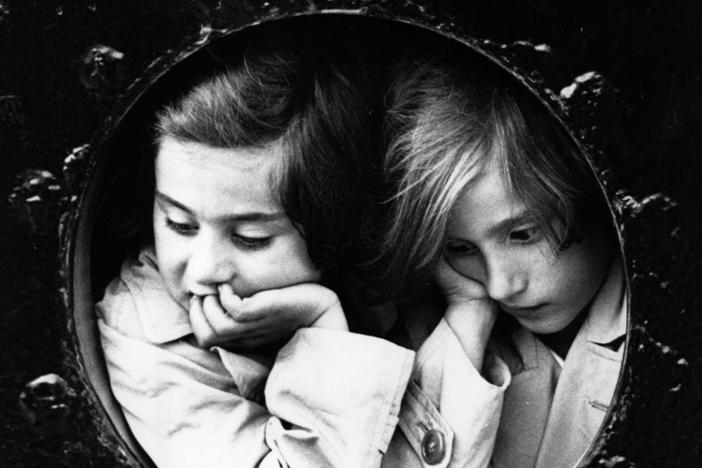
(258,178)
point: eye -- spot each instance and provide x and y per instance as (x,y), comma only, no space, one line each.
(460,248)
(251,243)
(184,229)
(526,234)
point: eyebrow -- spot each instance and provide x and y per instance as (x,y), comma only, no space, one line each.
(245,216)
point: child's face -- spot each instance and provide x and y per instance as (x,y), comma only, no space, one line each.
(216,221)
(492,239)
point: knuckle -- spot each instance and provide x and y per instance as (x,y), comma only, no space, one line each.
(235,314)
(205,337)
(201,340)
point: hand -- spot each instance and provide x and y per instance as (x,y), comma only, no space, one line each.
(470,313)
(456,287)
(265,317)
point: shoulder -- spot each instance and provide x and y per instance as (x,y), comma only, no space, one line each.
(127,295)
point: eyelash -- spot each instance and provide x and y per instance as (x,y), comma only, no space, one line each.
(533,235)
(461,248)
(249,243)
(183,229)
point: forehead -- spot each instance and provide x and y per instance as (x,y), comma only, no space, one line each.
(486,202)
(217,181)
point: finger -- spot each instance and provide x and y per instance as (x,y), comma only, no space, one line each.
(225,327)
(454,282)
(201,327)
(230,302)
(442,271)
(218,319)
(259,306)
(307,298)
(447,278)
(272,305)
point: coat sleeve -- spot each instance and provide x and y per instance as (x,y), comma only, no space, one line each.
(331,400)
(449,396)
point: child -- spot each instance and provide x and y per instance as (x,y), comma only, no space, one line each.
(495,201)
(257,179)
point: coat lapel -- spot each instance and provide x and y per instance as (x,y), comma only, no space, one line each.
(551,415)
(588,378)
(527,401)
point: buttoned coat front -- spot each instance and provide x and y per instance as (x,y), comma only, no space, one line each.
(327,399)
(551,414)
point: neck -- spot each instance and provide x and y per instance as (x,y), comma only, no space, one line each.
(560,341)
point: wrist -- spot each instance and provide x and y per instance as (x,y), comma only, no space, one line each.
(467,302)
(472,322)
(332,318)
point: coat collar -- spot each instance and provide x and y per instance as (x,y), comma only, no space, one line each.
(605,325)
(607,319)
(162,319)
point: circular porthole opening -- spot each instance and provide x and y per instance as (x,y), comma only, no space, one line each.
(116,206)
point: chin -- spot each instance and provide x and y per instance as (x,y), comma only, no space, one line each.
(542,327)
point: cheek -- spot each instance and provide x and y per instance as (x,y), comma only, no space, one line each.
(550,277)
(161,238)
(299,264)
(284,264)
(163,243)
(170,253)
(469,266)
(576,279)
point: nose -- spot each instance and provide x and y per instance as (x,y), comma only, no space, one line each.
(504,278)
(210,263)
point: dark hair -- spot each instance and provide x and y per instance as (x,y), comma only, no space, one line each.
(444,123)
(311,97)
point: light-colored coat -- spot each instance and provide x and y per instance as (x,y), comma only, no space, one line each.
(344,399)
(551,414)
(332,399)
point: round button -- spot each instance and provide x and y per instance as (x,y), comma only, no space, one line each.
(433,447)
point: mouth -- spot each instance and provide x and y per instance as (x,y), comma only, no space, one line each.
(520,310)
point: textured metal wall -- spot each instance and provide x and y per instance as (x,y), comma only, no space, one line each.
(68,69)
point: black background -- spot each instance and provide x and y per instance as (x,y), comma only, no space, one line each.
(55,97)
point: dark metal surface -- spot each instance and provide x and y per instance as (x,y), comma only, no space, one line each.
(69,70)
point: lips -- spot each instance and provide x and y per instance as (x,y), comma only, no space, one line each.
(517,310)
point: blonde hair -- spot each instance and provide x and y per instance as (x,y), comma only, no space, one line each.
(444,124)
